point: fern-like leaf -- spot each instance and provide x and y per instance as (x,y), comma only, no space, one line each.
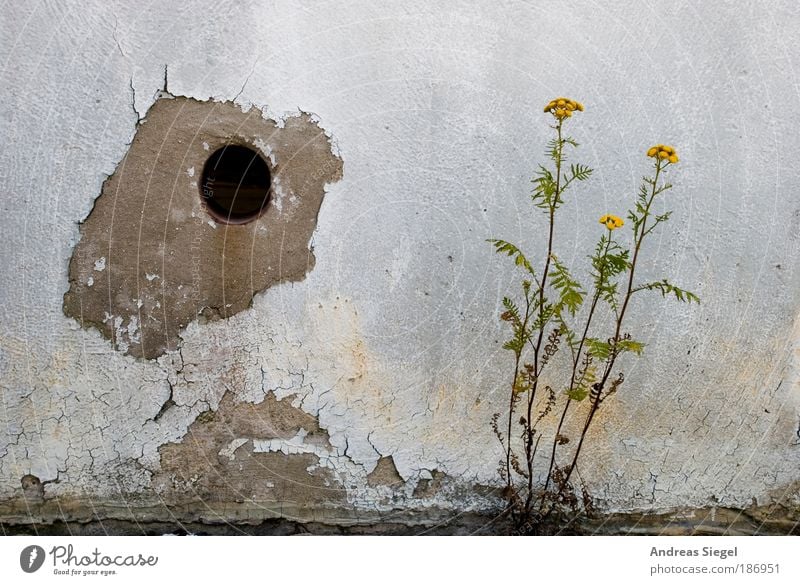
(598,349)
(630,345)
(544,190)
(583,384)
(667,288)
(512,312)
(569,290)
(504,247)
(579,172)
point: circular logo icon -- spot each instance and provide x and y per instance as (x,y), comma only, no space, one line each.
(31,558)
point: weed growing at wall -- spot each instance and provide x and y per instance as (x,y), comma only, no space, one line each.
(553,313)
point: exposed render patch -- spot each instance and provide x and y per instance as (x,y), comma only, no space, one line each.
(219,459)
(385,473)
(32,488)
(151,258)
(428,487)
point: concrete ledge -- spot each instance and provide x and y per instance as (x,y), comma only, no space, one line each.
(63,517)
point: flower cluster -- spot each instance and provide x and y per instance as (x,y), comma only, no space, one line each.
(563,107)
(663,152)
(612,222)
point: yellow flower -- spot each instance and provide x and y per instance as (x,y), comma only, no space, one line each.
(562,107)
(612,222)
(663,152)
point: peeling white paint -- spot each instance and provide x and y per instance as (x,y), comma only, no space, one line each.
(293,446)
(229,450)
(100,264)
(266,150)
(279,193)
(133,329)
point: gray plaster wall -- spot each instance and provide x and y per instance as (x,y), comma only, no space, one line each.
(391,341)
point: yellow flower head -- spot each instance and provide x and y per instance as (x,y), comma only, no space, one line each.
(612,222)
(663,152)
(563,107)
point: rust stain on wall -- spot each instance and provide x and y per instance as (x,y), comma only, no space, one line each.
(150,257)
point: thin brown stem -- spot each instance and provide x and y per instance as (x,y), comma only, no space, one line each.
(537,367)
(517,359)
(575,361)
(614,351)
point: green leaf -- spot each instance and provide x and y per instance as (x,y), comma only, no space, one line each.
(609,260)
(515,344)
(662,188)
(521,384)
(543,317)
(598,349)
(631,346)
(578,394)
(512,310)
(667,288)
(608,292)
(637,214)
(503,247)
(569,335)
(607,264)
(544,191)
(552,149)
(583,384)
(569,290)
(522,332)
(579,172)
(570,141)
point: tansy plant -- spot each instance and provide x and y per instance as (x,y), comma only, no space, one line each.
(556,312)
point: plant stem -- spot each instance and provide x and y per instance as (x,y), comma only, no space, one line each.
(575,361)
(517,358)
(614,353)
(537,347)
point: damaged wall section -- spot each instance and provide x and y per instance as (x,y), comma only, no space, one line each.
(226,457)
(151,259)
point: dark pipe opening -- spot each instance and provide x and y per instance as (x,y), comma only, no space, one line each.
(235,185)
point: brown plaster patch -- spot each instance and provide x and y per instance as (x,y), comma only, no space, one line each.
(32,488)
(385,473)
(428,488)
(215,460)
(151,259)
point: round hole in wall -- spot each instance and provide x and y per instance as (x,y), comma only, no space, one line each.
(235,185)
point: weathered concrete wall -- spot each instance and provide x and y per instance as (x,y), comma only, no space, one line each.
(368,385)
